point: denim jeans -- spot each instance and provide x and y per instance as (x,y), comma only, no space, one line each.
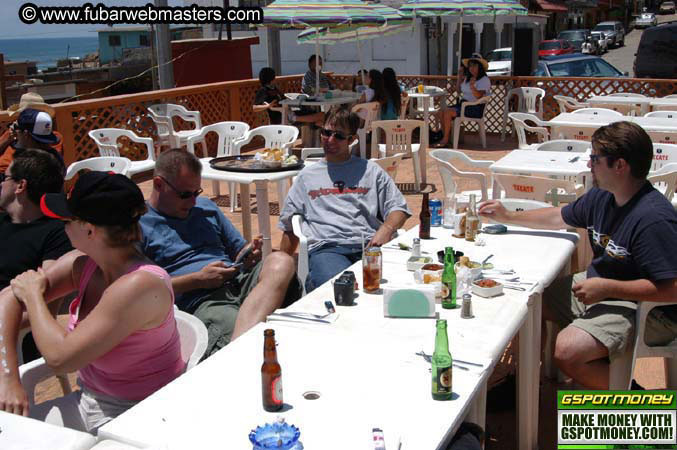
(328,260)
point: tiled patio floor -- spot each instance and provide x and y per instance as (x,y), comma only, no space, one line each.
(501,415)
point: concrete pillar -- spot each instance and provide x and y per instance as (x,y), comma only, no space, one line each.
(478,36)
(498,27)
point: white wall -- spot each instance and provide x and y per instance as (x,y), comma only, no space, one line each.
(402,52)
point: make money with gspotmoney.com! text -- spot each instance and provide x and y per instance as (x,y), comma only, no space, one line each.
(148,14)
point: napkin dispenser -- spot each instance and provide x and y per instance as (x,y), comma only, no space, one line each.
(407,301)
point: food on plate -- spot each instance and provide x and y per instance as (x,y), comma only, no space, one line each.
(433,267)
(291,159)
(486,283)
(273,154)
(465,261)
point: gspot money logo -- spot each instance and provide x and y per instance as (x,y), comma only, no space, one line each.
(616,419)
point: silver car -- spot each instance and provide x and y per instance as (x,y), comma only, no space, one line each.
(646,20)
(614,32)
(602,41)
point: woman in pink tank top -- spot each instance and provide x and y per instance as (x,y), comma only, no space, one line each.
(122,336)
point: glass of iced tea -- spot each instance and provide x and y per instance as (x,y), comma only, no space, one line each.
(371,269)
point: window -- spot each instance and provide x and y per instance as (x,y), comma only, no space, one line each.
(540,71)
(144,40)
(114,40)
(554,45)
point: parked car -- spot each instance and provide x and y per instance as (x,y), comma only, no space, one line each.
(656,55)
(500,61)
(577,37)
(646,20)
(602,41)
(614,31)
(575,66)
(667,8)
(555,47)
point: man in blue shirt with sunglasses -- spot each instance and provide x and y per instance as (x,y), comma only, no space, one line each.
(199,247)
(342,199)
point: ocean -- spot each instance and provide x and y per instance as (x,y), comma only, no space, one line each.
(46,51)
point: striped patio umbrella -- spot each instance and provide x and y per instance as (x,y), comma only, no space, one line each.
(435,8)
(396,22)
(321,14)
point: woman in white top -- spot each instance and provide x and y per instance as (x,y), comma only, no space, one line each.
(473,84)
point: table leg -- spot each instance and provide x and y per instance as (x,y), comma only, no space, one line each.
(423,150)
(527,377)
(264,215)
(246,212)
(285,112)
(478,409)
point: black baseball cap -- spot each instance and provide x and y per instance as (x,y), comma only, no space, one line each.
(100,198)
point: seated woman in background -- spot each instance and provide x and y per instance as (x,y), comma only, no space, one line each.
(394,93)
(473,84)
(376,91)
(268,96)
(121,336)
(358,85)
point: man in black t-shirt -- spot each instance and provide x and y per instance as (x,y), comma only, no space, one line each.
(27,238)
(633,234)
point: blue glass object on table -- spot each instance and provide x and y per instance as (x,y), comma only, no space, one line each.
(278,436)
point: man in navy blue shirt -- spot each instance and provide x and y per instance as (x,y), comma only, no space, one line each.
(197,245)
(633,234)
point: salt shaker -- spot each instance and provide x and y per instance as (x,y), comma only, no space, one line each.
(466,307)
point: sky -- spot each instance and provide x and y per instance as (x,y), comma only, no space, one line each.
(12,27)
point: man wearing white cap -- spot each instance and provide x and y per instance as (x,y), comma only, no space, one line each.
(31,130)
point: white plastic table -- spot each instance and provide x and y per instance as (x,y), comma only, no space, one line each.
(559,164)
(664,102)
(261,179)
(596,121)
(424,100)
(363,382)
(18,432)
(321,102)
(643,102)
(533,254)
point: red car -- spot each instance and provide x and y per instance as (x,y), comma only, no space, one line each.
(555,47)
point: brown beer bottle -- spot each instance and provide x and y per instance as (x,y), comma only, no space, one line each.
(424,217)
(271,374)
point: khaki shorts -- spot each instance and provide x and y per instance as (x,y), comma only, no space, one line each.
(219,310)
(611,322)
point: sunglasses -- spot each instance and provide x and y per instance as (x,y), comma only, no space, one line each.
(183,195)
(339,135)
(4,177)
(594,159)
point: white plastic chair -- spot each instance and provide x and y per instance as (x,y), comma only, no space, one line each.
(369,112)
(622,368)
(458,121)
(446,160)
(399,140)
(229,133)
(529,100)
(117,164)
(537,188)
(666,114)
(522,204)
(107,141)
(602,112)
(564,145)
(162,115)
(404,104)
(663,137)
(568,104)
(312,153)
(520,123)
(192,334)
(671,96)
(389,164)
(663,154)
(665,180)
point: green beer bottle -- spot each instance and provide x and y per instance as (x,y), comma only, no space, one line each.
(441,364)
(449,280)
